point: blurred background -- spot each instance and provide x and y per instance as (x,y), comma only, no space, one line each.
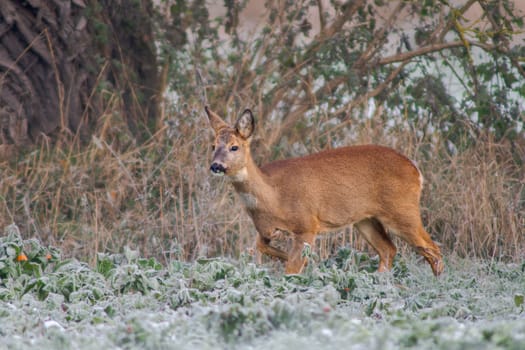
(104,143)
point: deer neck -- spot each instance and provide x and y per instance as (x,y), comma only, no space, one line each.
(253,186)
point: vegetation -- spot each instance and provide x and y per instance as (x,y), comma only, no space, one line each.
(129,302)
(152,252)
(360,77)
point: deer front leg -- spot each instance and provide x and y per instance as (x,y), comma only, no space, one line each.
(263,245)
(296,261)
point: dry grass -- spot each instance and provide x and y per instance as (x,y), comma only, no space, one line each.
(159,197)
(475,203)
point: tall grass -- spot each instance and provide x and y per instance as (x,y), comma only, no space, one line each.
(475,203)
(159,197)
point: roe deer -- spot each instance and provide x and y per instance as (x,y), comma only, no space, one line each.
(373,187)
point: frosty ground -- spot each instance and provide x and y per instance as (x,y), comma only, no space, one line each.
(131,302)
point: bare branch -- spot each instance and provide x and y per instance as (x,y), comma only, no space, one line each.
(405,56)
(341,19)
(363,98)
(322,20)
(505,43)
(317,43)
(379,37)
(452,21)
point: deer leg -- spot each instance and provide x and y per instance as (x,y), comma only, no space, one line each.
(411,230)
(433,256)
(375,234)
(263,245)
(427,248)
(296,261)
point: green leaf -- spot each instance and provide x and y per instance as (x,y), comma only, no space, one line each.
(11,251)
(519,300)
(369,310)
(105,266)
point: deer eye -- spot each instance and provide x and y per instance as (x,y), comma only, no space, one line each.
(234,148)
(213,147)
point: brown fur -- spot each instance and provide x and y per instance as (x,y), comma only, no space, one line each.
(373,187)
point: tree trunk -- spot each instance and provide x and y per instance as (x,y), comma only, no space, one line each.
(54,52)
(131,51)
(44,81)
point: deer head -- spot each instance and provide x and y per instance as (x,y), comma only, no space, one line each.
(231,147)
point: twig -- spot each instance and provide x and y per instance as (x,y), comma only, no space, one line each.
(60,86)
(322,20)
(405,56)
(200,83)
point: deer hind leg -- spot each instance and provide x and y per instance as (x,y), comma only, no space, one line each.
(296,261)
(411,230)
(428,249)
(263,245)
(375,234)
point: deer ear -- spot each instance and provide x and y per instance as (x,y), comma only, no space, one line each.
(216,122)
(245,124)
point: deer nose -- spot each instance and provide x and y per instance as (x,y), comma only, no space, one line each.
(217,168)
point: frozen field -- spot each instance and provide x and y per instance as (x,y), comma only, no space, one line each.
(132,303)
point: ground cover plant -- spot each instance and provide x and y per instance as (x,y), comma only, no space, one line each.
(130,302)
(116,235)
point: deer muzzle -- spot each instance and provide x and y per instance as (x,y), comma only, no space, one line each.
(217,169)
